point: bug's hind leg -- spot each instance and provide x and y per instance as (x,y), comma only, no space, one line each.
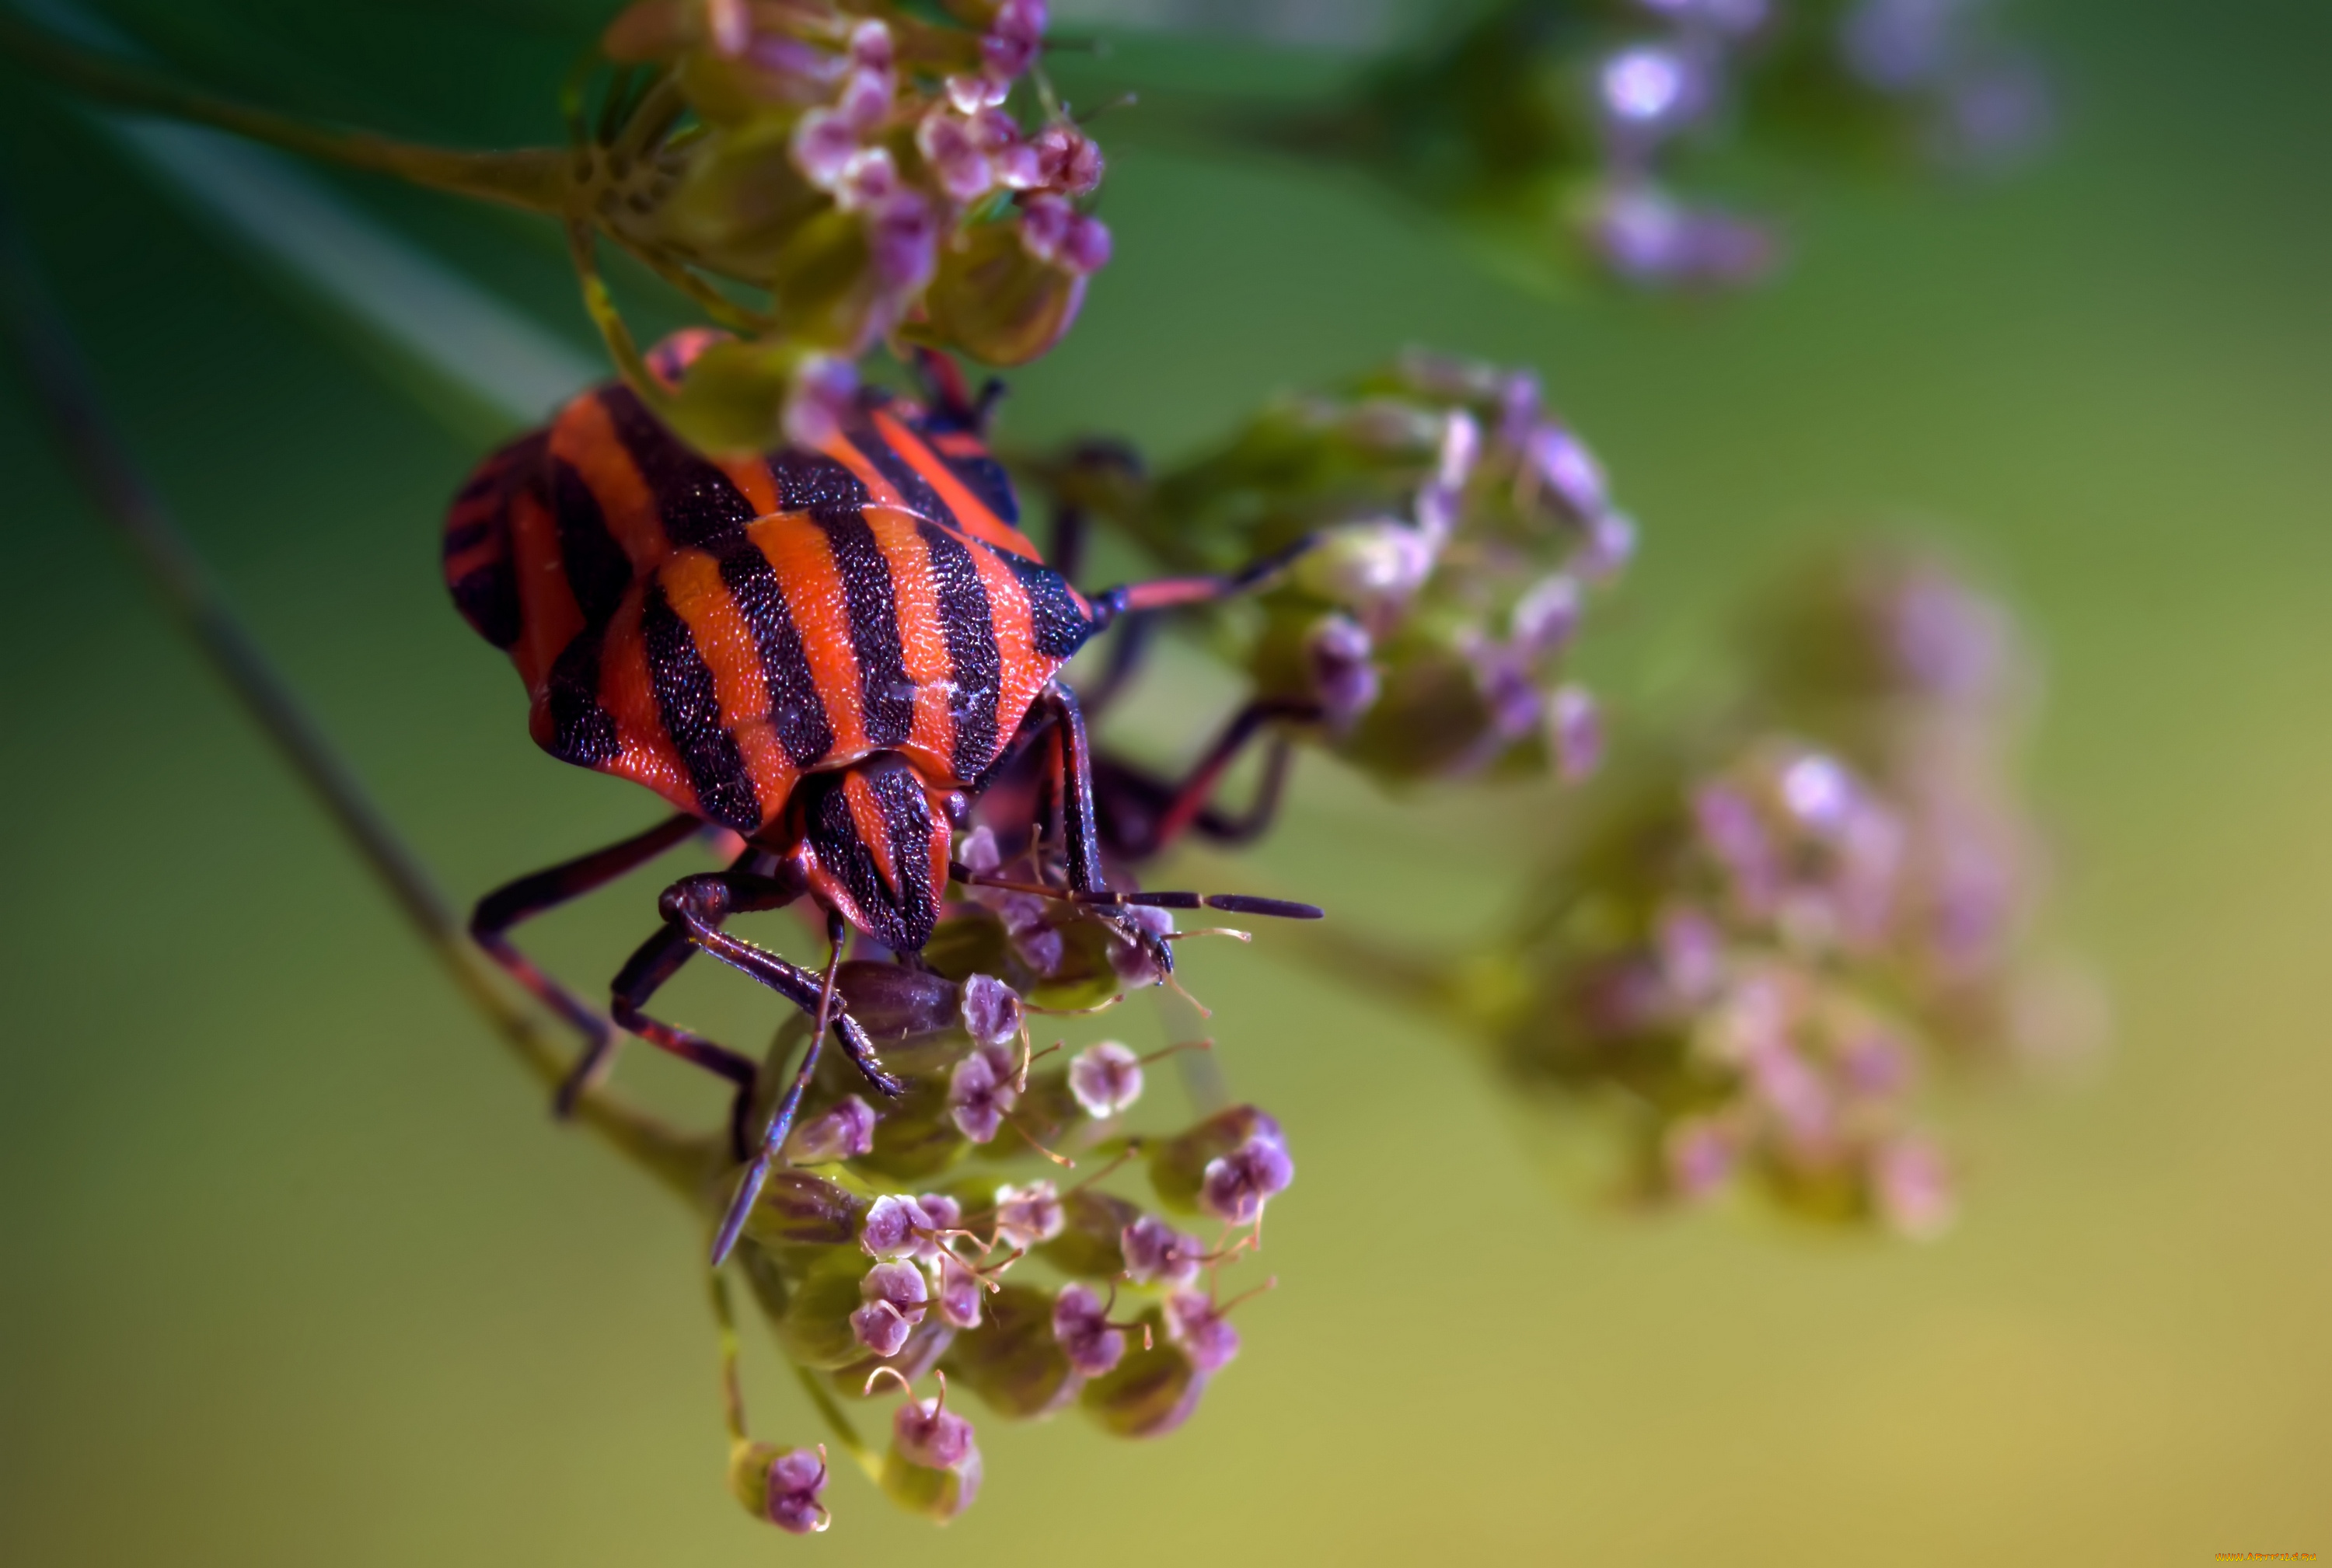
(528,896)
(1139,815)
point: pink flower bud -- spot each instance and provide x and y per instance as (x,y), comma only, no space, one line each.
(824,387)
(823,146)
(870,47)
(864,102)
(971,93)
(895,1227)
(896,1297)
(1028,1216)
(1085,248)
(904,237)
(1045,222)
(1014,38)
(844,1131)
(782,1485)
(1080,1324)
(1106,1078)
(927,1433)
(1610,545)
(948,146)
(978,1098)
(1340,669)
(959,1294)
(1461,444)
(1236,1186)
(1546,615)
(868,181)
(1574,729)
(1069,162)
(1157,1252)
(1194,1322)
(992,1009)
(797,1483)
(1564,465)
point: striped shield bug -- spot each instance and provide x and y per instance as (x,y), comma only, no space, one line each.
(828,653)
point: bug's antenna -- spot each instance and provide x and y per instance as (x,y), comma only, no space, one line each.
(1103,898)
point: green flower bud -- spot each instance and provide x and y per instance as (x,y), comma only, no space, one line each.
(995,301)
(797,1208)
(939,1495)
(1087,1247)
(738,202)
(1012,1360)
(1178,1166)
(1151,1392)
(813,1327)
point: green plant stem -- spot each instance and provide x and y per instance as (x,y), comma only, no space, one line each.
(59,383)
(838,1422)
(538,179)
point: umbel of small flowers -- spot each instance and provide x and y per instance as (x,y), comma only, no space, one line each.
(870,171)
(1462,529)
(1565,133)
(977,1240)
(1753,947)
(883,171)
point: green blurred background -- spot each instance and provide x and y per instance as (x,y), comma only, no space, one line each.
(297,1269)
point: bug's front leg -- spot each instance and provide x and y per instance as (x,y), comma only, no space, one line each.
(696,908)
(1080,829)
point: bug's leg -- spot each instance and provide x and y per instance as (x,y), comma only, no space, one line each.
(1081,843)
(1174,592)
(1080,832)
(694,908)
(656,960)
(1081,839)
(1129,645)
(1140,815)
(782,1120)
(528,896)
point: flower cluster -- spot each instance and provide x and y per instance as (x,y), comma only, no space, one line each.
(1752,965)
(1573,130)
(883,171)
(900,1249)
(1455,528)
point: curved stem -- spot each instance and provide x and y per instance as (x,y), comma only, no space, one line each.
(727,311)
(60,387)
(538,179)
(583,246)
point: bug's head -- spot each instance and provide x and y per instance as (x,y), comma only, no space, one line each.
(874,849)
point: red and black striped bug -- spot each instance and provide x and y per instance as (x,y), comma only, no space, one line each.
(826,651)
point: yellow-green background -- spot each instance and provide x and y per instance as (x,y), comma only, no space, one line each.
(294,1269)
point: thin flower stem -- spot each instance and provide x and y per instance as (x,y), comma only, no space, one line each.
(59,381)
(732,1386)
(538,179)
(583,247)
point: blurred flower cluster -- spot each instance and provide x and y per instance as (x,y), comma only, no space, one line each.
(1456,530)
(1557,129)
(1750,965)
(884,172)
(970,1238)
